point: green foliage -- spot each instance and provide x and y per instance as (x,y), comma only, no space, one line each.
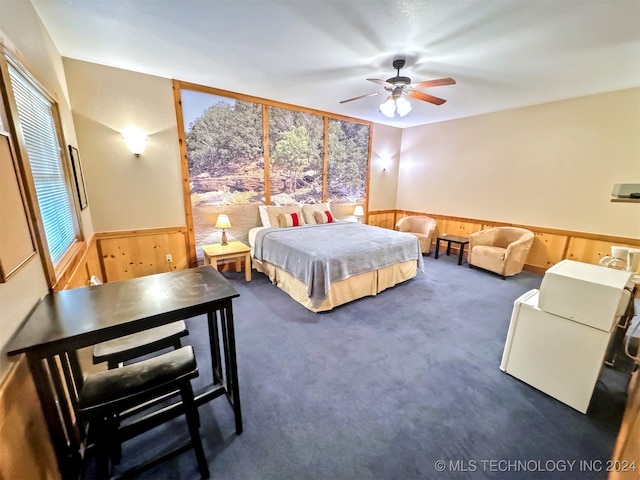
(237,198)
(348,158)
(292,153)
(224,137)
(295,146)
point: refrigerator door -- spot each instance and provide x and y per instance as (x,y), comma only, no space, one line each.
(585,293)
(529,298)
(558,356)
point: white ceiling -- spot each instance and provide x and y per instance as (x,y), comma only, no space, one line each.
(503,53)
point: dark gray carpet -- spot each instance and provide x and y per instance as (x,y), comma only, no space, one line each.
(385,387)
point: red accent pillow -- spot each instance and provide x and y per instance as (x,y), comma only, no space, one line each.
(289,220)
(323,217)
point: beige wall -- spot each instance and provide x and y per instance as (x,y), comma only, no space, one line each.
(127,192)
(21,31)
(385,162)
(550,165)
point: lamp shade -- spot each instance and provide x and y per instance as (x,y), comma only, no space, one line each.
(403,106)
(223,221)
(358,211)
(135,139)
(388,107)
(392,105)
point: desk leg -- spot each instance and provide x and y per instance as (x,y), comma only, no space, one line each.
(238,264)
(437,247)
(214,345)
(448,248)
(74,381)
(66,450)
(233,391)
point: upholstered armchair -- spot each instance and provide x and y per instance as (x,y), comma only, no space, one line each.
(422,227)
(502,250)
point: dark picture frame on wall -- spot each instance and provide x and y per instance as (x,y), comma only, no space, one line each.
(78,176)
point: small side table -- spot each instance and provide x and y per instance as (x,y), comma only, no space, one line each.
(462,241)
(235,250)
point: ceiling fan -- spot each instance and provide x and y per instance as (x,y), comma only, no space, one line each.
(400,88)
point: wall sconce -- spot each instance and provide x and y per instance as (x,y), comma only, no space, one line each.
(223,222)
(136,140)
(385,161)
(358,212)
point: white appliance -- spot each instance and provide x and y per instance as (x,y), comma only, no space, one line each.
(562,355)
(585,293)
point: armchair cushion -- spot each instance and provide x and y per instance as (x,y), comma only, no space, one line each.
(424,228)
(502,250)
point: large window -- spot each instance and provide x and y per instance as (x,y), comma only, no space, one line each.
(239,152)
(36,114)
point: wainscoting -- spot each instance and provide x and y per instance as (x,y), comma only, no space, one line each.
(136,253)
(549,245)
(26,450)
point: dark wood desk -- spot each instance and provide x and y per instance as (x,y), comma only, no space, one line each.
(66,321)
(461,241)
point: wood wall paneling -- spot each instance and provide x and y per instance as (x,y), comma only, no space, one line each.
(547,250)
(461,228)
(131,256)
(24,439)
(383,219)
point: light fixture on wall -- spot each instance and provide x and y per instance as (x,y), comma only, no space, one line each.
(358,212)
(223,222)
(385,161)
(135,139)
(395,102)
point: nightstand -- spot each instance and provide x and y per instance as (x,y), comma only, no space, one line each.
(233,250)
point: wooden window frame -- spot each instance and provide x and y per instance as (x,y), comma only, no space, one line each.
(53,272)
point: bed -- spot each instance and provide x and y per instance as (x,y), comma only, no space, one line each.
(322,266)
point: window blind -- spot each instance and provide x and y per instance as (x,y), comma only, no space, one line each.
(41,141)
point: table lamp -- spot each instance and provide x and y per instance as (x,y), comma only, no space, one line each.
(223,222)
(358,212)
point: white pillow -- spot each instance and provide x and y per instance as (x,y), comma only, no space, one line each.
(307,211)
(264,216)
(252,235)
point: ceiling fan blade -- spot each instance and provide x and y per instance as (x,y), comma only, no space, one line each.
(427,98)
(362,96)
(433,83)
(384,83)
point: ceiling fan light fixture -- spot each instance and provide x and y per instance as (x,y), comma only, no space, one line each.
(388,107)
(403,106)
(400,88)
